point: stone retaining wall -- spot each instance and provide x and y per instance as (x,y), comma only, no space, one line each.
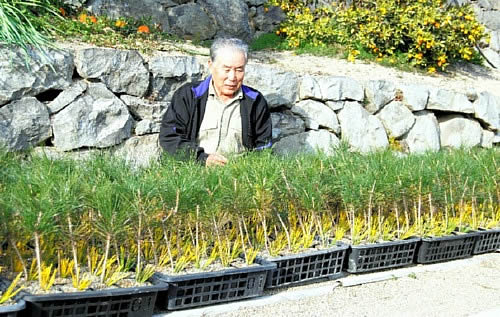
(89,99)
(247,19)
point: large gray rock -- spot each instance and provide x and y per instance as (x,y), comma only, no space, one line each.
(307,142)
(335,105)
(316,114)
(121,71)
(75,4)
(424,136)
(496,138)
(181,19)
(278,87)
(445,100)
(285,124)
(144,109)
(146,126)
(255,2)
(414,96)
(487,110)
(139,151)
(492,56)
(330,88)
(487,139)
(378,93)
(171,72)
(457,131)
(490,18)
(267,21)
(396,118)
(363,131)
(489,4)
(156,10)
(24,123)
(77,155)
(67,96)
(96,119)
(495,40)
(231,16)
(42,74)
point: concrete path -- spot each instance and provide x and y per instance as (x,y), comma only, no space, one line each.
(469,287)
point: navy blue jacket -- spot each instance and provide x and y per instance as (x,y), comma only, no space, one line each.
(181,123)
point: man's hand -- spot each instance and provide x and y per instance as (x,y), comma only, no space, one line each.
(215,160)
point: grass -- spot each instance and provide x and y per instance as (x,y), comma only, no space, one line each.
(268,41)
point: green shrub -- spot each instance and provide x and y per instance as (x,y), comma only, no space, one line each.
(429,33)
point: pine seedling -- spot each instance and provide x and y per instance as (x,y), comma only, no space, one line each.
(81,282)
(48,277)
(115,277)
(34,195)
(111,217)
(12,290)
(145,273)
(66,268)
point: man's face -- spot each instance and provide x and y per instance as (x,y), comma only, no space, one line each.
(228,71)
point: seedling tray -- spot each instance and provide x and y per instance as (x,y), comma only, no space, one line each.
(307,266)
(127,302)
(199,289)
(13,310)
(437,249)
(488,241)
(383,255)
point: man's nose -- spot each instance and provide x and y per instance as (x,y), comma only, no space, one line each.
(232,75)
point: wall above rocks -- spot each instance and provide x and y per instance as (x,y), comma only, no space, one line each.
(236,18)
(247,19)
(89,99)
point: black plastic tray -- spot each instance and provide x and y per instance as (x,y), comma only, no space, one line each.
(437,249)
(383,255)
(488,241)
(199,289)
(13,310)
(127,302)
(307,266)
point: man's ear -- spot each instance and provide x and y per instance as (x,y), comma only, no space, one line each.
(209,63)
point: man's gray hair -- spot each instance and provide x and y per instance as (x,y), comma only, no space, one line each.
(232,43)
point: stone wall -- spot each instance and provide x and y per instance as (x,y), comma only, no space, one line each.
(488,13)
(89,99)
(236,18)
(246,19)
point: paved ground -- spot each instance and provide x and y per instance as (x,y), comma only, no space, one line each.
(469,287)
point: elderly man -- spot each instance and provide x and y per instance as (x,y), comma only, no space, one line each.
(218,116)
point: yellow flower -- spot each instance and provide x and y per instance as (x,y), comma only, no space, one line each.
(431,70)
(82,18)
(120,23)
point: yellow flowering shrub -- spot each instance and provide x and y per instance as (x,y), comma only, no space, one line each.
(429,33)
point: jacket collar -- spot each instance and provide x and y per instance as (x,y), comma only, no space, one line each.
(202,88)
